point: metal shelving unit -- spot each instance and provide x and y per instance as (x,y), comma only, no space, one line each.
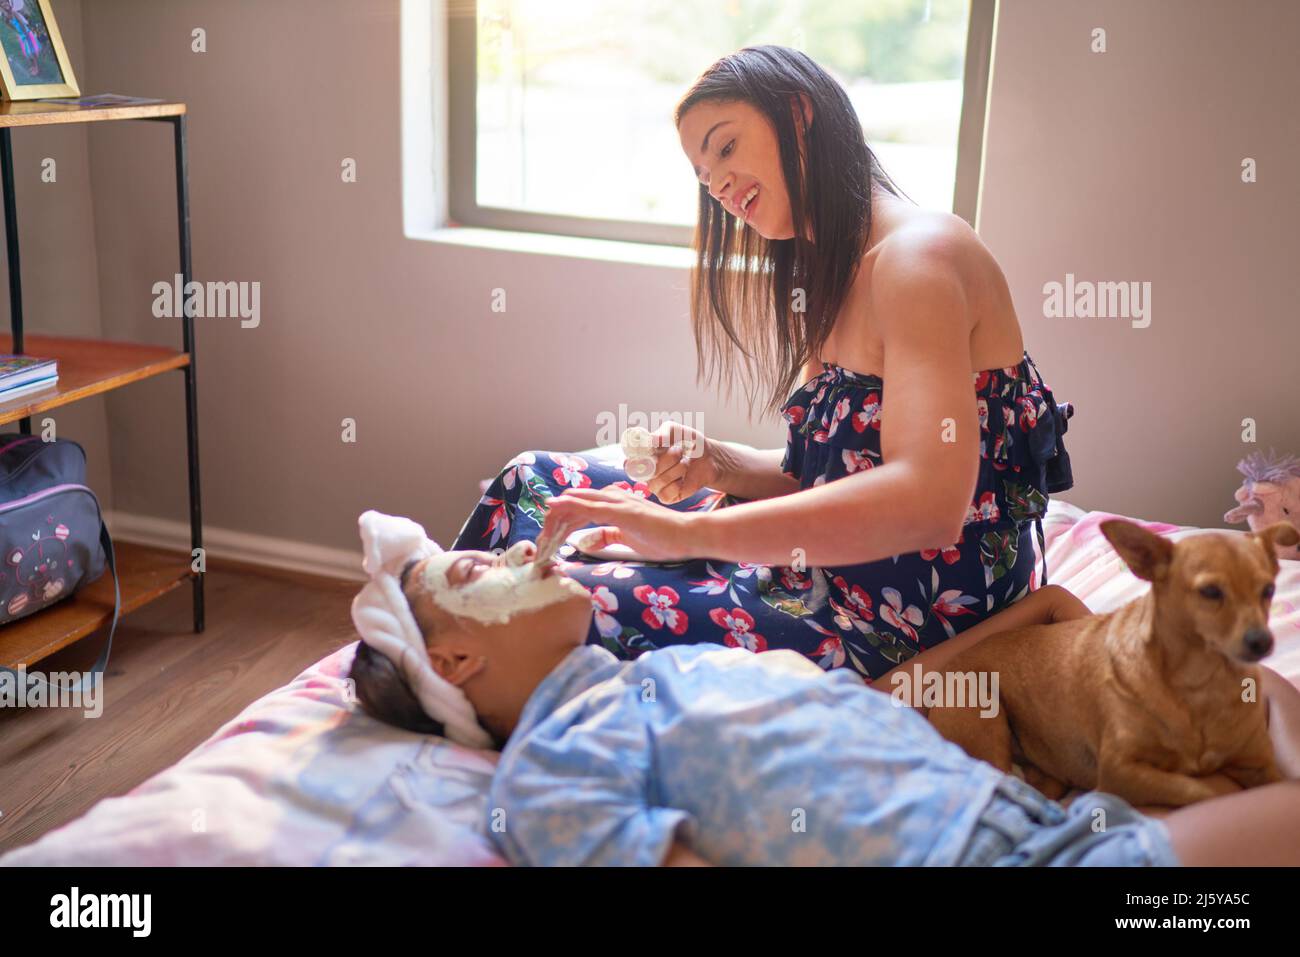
(91,367)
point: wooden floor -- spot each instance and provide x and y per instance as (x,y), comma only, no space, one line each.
(165,691)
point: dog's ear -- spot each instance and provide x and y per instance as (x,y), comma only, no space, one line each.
(1146,553)
(1279,533)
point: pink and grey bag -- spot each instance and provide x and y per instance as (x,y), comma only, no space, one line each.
(52,535)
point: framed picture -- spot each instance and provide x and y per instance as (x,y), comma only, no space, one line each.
(33,62)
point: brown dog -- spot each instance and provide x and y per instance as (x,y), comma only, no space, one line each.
(1157,701)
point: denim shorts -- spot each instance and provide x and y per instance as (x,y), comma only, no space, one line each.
(1021,828)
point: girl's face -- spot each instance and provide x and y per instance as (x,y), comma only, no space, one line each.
(496,664)
(453,590)
(733,149)
(494,590)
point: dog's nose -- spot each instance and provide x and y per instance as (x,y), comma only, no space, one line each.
(1258,642)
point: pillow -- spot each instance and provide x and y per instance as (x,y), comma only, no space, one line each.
(301,777)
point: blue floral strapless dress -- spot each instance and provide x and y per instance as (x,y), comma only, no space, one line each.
(870,616)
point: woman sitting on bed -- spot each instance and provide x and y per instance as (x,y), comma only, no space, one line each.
(707,754)
(882,528)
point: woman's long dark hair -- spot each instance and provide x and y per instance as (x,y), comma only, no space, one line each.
(743,285)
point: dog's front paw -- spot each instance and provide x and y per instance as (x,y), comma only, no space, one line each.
(1253,776)
(1140,784)
(1220,784)
(1050,787)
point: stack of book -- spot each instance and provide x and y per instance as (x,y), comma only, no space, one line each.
(22,374)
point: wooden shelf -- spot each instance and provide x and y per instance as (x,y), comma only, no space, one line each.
(34,113)
(145,574)
(86,367)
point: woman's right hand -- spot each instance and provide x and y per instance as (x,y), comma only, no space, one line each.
(685,462)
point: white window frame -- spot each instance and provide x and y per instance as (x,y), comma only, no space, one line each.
(439,138)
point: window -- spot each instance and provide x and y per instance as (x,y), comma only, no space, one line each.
(560,113)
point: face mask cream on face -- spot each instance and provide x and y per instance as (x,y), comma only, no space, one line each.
(499,592)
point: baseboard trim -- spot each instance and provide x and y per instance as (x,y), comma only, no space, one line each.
(238,546)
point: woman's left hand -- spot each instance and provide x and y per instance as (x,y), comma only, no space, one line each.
(657,532)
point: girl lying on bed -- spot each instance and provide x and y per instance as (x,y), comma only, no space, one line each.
(716,755)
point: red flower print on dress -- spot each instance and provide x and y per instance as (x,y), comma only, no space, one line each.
(950,604)
(715,584)
(518,470)
(982,407)
(981,380)
(830,653)
(640,489)
(1000,445)
(739,625)
(838,415)
(571,470)
(499,522)
(1030,410)
(901,618)
(856,598)
(792,580)
(794,415)
(951,553)
(855,461)
(870,413)
(845,617)
(662,612)
(986,510)
(516,473)
(707,502)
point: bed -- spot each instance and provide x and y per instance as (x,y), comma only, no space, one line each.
(301,777)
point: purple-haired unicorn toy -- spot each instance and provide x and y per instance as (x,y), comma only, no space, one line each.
(1271,493)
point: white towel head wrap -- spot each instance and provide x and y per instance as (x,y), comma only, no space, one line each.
(384,620)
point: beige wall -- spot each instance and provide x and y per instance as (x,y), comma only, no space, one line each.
(1115,166)
(1127,166)
(357,321)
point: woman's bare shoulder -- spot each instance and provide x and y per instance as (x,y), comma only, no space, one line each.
(927,238)
(922,265)
(938,253)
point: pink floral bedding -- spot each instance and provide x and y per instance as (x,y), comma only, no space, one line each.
(301,777)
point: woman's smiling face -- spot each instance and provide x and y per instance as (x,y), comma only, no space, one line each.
(733,149)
